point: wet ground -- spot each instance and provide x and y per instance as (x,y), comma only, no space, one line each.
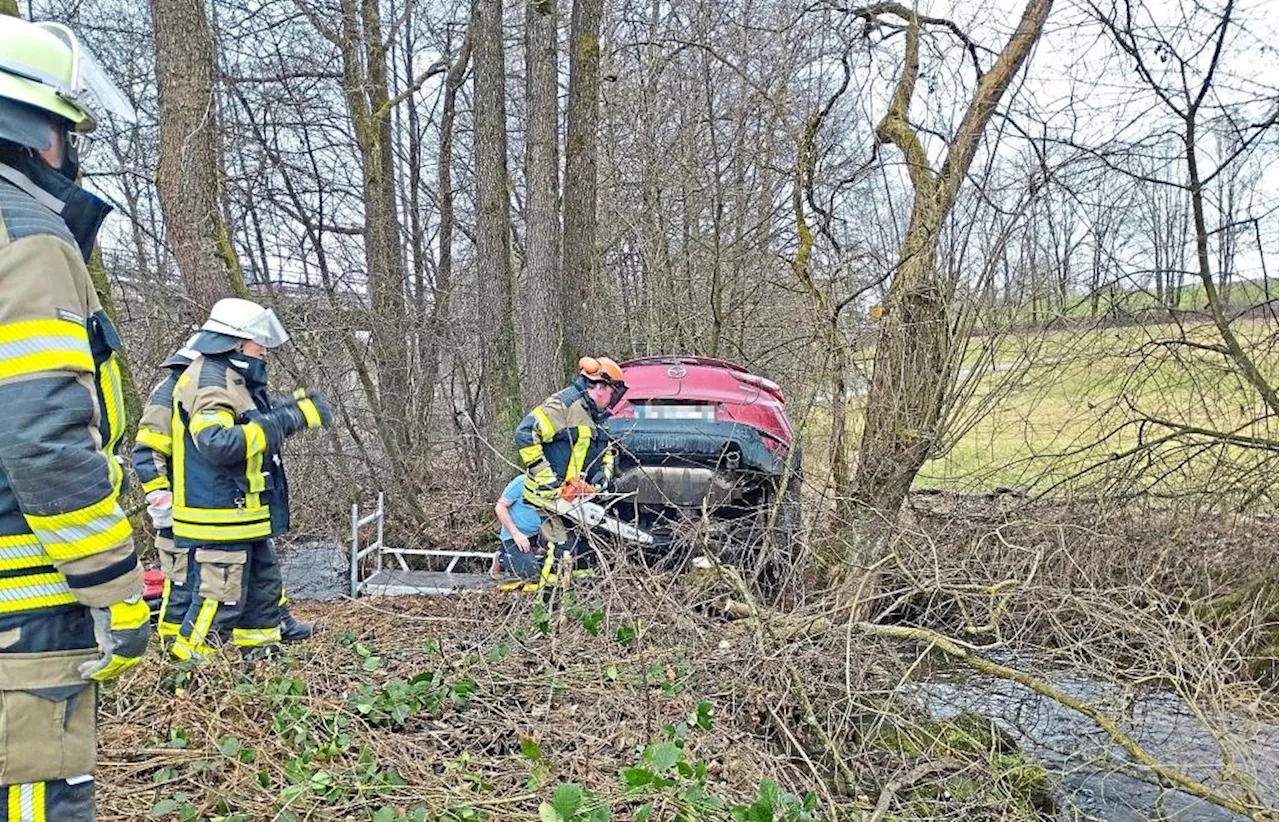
(1091,770)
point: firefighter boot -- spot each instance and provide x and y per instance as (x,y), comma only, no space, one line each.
(291,630)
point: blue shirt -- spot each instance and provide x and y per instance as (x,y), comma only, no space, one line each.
(524,515)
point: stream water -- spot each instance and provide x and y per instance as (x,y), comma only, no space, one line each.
(1095,777)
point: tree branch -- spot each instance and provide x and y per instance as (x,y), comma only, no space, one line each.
(894,127)
(438,67)
(985,98)
(869,13)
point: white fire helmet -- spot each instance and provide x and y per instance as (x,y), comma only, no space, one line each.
(246,320)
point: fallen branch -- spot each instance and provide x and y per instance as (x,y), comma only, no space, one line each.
(753,610)
(903,780)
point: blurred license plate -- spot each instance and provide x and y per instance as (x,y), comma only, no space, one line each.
(676,411)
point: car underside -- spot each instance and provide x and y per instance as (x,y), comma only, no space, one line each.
(705,485)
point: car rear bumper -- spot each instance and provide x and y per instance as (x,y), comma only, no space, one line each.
(726,445)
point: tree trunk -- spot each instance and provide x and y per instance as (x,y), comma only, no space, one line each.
(826,315)
(438,320)
(541,285)
(493,226)
(418,341)
(189,177)
(364,69)
(911,377)
(584,288)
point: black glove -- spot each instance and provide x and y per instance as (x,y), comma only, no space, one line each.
(279,422)
(315,408)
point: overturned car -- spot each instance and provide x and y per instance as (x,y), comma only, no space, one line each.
(706,459)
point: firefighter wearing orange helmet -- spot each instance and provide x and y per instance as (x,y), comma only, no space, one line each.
(558,440)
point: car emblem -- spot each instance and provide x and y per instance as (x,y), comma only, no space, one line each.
(675,372)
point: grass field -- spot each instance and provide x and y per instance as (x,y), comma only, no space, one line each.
(1063,410)
(1128,302)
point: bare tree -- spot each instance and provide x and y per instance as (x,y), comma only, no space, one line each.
(583,289)
(1194,416)
(1228,196)
(541,284)
(189,177)
(444,279)
(493,222)
(912,371)
(360,39)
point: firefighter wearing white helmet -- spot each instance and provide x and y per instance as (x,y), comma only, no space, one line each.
(71,612)
(152,450)
(230,494)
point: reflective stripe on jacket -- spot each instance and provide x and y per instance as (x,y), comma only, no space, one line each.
(560,433)
(153,446)
(63,536)
(228,479)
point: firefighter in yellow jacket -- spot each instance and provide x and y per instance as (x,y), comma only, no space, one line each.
(152,450)
(230,493)
(71,612)
(558,440)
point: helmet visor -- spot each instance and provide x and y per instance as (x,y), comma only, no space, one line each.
(267,330)
(91,89)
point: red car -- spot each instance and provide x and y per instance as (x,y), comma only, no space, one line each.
(699,436)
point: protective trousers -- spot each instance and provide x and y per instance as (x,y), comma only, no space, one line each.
(539,567)
(235,593)
(177,593)
(48,717)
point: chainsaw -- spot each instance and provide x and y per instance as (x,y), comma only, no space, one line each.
(593,515)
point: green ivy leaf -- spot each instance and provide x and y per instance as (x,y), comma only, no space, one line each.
(591,621)
(663,756)
(703,716)
(530,750)
(462,690)
(566,799)
(229,746)
(637,777)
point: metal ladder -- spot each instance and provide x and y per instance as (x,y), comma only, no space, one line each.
(401,580)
